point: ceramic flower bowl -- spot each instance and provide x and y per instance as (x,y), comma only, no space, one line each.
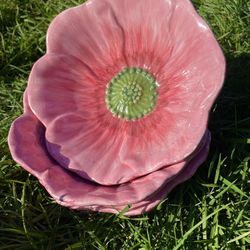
(116,111)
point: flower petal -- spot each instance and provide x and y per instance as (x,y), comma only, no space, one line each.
(59,84)
(89,32)
(101,155)
(196,66)
(111,33)
(69,189)
(151,201)
(147,40)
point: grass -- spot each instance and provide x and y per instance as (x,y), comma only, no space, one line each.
(211,211)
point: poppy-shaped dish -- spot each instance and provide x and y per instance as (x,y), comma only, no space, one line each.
(116,111)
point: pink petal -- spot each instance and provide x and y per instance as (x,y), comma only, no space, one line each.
(151,201)
(83,146)
(99,154)
(59,84)
(147,40)
(70,190)
(110,33)
(89,32)
(194,73)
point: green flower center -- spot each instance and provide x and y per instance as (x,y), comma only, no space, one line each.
(131,94)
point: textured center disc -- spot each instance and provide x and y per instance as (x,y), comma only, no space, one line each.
(131,94)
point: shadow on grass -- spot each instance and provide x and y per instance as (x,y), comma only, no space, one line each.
(230,116)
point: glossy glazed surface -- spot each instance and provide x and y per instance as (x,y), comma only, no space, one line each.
(70,190)
(89,149)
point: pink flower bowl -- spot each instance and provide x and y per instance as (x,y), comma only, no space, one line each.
(116,111)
